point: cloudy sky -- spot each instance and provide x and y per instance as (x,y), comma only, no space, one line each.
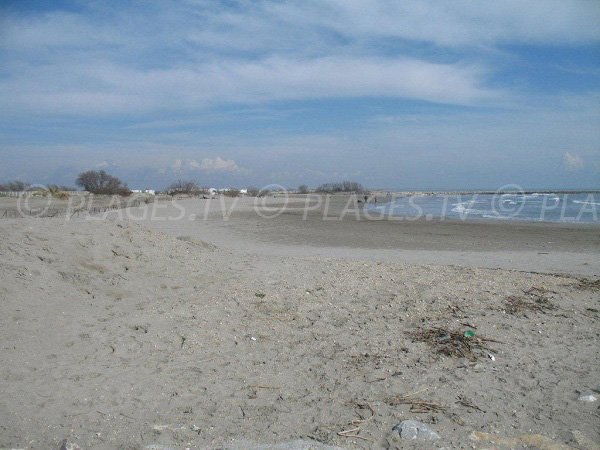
(420,94)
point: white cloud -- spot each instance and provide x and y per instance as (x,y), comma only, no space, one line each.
(195,55)
(177,165)
(573,162)
(218,165)
(107,164)
(113,88)
(305,25)
(454,23)
(207,165)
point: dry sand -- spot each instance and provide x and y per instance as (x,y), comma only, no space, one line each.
(192,333)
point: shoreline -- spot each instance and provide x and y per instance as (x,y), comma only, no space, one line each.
(488,192)
(542,247)
(332,204)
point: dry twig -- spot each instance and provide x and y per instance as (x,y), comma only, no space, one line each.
(417,405)
(535,299)
(465,402)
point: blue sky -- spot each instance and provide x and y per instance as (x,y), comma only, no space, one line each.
(394,94)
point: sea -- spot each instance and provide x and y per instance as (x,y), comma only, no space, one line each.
(580,207)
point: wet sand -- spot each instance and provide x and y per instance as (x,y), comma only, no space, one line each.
(295,228)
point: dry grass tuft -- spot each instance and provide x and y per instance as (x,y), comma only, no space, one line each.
(55,192)
(454,343)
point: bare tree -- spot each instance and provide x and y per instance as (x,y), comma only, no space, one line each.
(253,191)
(183,187)
(303,189)
(231,192)
(100,182)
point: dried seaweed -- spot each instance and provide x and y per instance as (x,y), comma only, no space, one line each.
(454,343)
(588,285)
(533,299)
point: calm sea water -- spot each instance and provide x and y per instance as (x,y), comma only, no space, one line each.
(570,208)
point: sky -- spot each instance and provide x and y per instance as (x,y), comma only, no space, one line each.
(412,94)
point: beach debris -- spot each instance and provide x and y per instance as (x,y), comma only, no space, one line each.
(353,432)
(260,294)
(469,333)
(583,441)
(299,444)
(120,254)
(362,420)
(462,400)
(534,299)
(456,310)
(68,445)
(456,419)
(252,338)
(587,284)
(589,398)
(529,440)
(414,430)
(417,405)
(454,343)
(143,328)
(492,357)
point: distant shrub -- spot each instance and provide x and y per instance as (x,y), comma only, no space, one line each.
(56,192)
(232,193)
(303,189)
(253,191)
(343,186)
(256,192)
(59,187)
(100,182)
(183,187)
(14,186)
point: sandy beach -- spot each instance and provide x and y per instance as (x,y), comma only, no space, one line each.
(167,326)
